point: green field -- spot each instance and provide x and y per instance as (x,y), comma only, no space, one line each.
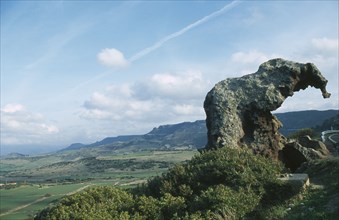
(28,199)
(39,183)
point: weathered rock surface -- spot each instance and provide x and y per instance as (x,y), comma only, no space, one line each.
(304,149)
(238,110)
(298,181)
(293,155)
(319,146)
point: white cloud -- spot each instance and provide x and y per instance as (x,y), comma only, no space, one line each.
(112,57)
(180,86)
(324,52)
(115,103)
(246,62)
(12,107)
(252,56)
(19,126)
(325,44)
(188,109)
(161,99)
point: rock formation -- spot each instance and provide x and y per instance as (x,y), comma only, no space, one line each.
(306,141)
(238,110)
(304,149)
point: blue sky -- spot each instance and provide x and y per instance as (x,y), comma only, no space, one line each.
(79,71)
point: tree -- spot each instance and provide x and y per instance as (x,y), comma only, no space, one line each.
(302,132)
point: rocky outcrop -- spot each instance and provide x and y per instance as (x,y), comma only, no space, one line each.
(308,142)
(238,110)
(293,155)
(305,149)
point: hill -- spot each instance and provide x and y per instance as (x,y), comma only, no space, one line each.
(193,135)
(293,121)
(14,155)
(186,135)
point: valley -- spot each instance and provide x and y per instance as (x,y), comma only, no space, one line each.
(43,179)
(29,183)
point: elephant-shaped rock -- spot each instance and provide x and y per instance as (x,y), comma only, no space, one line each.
(238,110)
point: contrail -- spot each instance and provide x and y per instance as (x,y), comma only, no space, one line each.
(161,42)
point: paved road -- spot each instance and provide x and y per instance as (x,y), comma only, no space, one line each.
(326,134)
(331,136)
(334,138)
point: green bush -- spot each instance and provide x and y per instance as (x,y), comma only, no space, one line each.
(234,168)
(94,203)
(222,183)
(302,132)
(148,207)
(220,197)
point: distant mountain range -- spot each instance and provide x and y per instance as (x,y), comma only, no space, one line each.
(186,135)
(293,121)
(193,135)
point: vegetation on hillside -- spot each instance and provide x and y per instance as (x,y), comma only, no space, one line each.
(223,183)
(302,132)
(294,121)
(329,124)
(321,200)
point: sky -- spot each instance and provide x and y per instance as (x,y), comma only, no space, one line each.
(80,71)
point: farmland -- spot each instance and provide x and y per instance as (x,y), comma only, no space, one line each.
(23,202)
(45,179)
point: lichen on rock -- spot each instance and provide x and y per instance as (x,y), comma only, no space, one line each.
(238,110)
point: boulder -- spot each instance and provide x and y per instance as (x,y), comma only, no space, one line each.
(293,155)
(298,181)
(308,142)
(238,110)
(303,150)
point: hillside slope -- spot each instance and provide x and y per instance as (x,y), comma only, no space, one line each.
(293,121)
(190,135)
(194,134)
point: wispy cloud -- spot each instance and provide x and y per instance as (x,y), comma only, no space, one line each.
(118,56)
(161,42)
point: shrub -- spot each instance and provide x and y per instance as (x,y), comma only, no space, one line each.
(148,207)
(94,203)
(232,203)
(234,168)
(234,179)
(222,183)
(302,132)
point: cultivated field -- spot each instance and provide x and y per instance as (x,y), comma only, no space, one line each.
(39,183)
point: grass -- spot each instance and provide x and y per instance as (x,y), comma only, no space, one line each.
(47,180)
(169,156)
(37,169)
(30,211)
(27,194)
(319,201)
